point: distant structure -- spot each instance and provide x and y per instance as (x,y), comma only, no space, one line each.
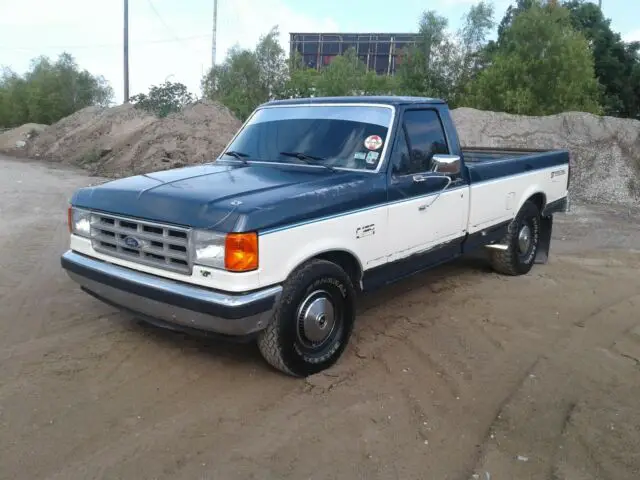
(380,52)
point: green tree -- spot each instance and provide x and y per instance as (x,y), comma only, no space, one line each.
(164,99)
(513,10)
(49,91)
(427,69)
(271,64)
(344,76)
(617,64)
(301,81)
(248,78)
(442,64)
(471,54)
(373,84)
(235,83)
(542,66)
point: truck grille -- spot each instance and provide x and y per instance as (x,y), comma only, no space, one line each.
(153,244)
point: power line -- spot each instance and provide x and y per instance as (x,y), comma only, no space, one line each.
(104,45)
(166,26)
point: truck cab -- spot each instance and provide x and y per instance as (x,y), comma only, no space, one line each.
(312,202)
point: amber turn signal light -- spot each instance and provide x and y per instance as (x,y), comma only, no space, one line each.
(241,252)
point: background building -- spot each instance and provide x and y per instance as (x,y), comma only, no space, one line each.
(381,52)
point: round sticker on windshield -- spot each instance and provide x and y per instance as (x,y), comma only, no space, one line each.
(373,142)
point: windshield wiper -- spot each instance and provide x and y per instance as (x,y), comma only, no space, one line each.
(238,156)
(308,159)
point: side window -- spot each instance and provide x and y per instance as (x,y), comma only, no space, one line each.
(426,138)
(400,160)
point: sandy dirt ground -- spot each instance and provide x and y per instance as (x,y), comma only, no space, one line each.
(457,373)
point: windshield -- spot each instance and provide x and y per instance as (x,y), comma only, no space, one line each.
(336,136)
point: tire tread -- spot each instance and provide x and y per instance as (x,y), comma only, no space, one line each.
(268,341)
(506,261)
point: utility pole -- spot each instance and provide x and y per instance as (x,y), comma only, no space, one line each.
(600,4)
(126,51)
(215,32)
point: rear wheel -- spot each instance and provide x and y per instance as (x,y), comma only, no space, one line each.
(522,240)
(313,321)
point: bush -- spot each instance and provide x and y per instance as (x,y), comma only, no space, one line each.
(164,99)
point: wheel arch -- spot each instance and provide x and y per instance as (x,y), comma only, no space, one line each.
(344,258)
(538,197)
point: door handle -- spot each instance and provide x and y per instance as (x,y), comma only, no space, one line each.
(422,208)
(419,178)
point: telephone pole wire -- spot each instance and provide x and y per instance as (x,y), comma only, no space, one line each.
(126,51)
(215,33)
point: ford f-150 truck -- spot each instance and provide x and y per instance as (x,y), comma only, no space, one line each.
(312,202)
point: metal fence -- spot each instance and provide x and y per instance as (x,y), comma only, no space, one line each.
(380,52)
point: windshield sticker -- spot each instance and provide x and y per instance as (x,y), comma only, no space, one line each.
(372,158)
(373,142)
(360,155)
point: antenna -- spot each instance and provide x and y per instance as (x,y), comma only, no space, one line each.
(215,32)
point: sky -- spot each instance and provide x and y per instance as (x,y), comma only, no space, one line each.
(171,39)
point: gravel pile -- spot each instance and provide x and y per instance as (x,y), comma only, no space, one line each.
(14,141)
(604,151)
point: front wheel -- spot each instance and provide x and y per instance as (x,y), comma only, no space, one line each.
(522,240)
(313,321)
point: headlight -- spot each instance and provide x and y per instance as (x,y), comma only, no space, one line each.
(79,222)
(235,252)
(208,248)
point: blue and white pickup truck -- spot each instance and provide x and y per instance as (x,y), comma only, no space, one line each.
(312,202)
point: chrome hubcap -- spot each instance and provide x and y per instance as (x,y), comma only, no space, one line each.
(524,239)
(316,318)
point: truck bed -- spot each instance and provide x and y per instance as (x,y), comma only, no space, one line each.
(488,154)
(491,163)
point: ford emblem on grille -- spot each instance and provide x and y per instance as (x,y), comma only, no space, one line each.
(132,242)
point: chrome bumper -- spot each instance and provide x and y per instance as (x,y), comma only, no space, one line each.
(171,302)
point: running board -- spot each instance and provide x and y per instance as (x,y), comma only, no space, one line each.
(497,246)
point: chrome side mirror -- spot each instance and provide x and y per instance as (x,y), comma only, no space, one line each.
(449,164)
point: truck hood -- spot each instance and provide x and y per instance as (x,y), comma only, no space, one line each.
(234,197)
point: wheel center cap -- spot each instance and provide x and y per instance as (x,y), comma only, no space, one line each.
(524,239)
(316,318)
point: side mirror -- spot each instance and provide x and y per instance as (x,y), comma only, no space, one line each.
(449,164)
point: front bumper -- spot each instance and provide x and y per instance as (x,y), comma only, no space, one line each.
(171,302)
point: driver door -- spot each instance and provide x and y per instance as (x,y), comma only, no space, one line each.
(429,207)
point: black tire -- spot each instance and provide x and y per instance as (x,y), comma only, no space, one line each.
(516,260)
(288,341)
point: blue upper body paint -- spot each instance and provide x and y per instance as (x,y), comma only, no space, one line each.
(230,196)
(237,197)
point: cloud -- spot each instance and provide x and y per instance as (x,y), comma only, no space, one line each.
(246,20)
(168,39)
(633,36)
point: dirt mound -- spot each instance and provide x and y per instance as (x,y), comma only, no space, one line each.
(605,151)
(15,140)
(82,138)
(124,140)
(196,134)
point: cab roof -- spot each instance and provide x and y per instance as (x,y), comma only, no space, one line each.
(372,99)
